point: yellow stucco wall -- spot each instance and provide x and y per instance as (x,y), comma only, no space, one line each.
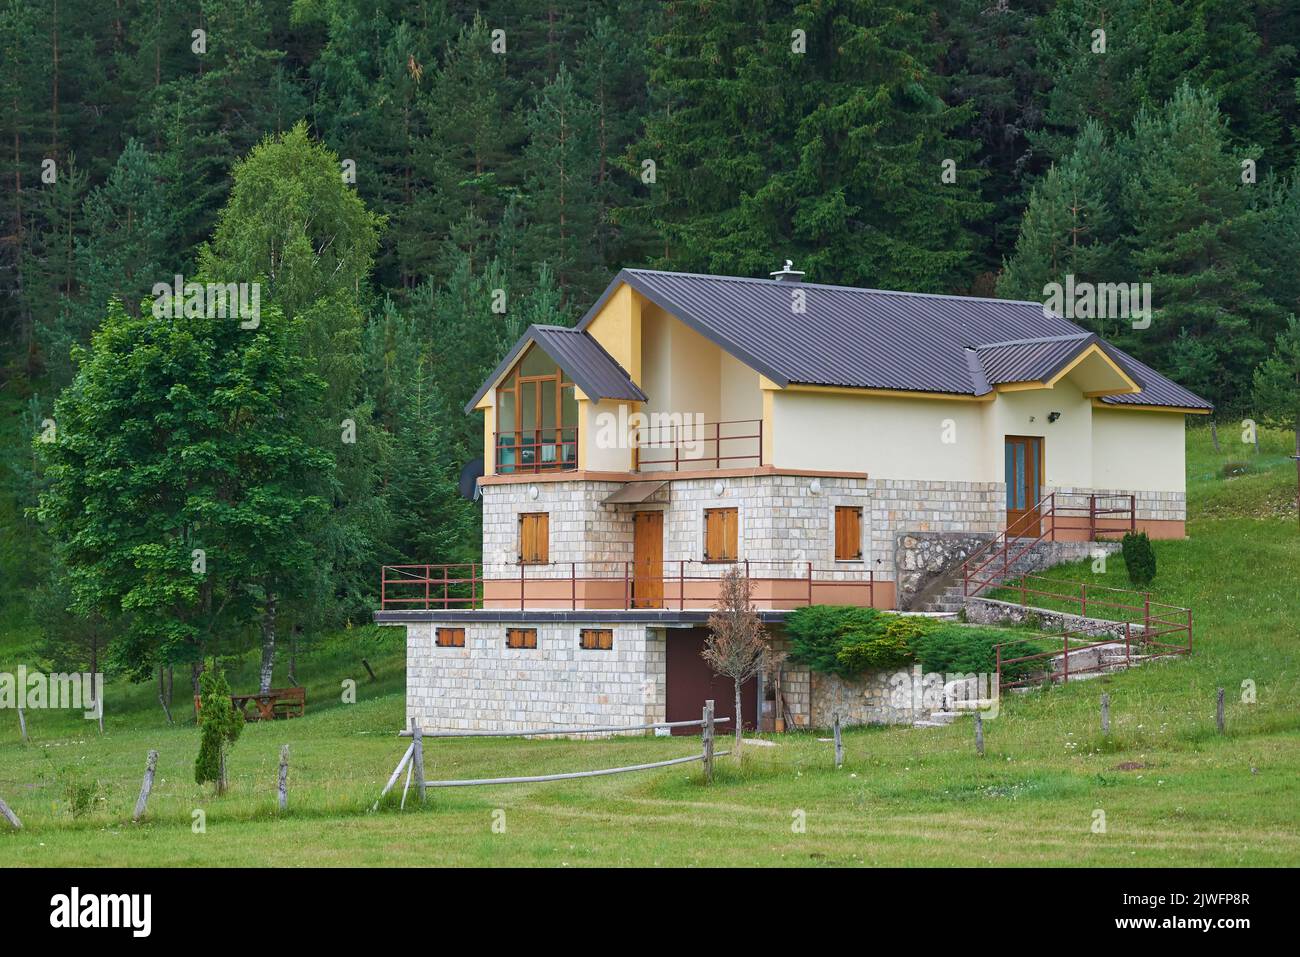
(1138,450)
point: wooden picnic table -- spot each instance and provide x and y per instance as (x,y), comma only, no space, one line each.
(276,703)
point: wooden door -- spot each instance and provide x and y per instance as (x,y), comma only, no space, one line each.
(689,682)
(1024,476)
(648,560)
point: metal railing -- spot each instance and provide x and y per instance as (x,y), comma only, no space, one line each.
(1038,525)
(688,583)
(696,440)
(536,450)
(1039,660)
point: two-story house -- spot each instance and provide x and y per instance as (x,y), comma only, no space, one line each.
(808,432)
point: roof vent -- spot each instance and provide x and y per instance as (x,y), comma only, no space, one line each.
(788,274)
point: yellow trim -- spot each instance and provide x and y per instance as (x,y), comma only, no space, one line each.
(768,431)
(1092,350)
(584,409)
(886,393)
(1134,407)
(1027,386)
(489,429)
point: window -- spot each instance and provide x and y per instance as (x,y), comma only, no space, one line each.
(537,417)
(534,538)
(521,637)
(720,535)
(848,533)
(451,637)
(596,639)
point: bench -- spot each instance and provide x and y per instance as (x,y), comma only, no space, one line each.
(276,703)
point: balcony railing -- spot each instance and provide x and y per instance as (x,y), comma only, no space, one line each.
(699,445)
(545,450)
(619,586)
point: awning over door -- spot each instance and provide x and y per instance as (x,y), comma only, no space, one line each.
(634,493)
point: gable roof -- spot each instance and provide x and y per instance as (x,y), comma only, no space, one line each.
(878,339)
(592,369)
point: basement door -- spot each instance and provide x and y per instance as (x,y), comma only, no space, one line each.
(1024,477)
(690,682)
(648,559)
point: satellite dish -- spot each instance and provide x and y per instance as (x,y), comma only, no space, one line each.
(470,473)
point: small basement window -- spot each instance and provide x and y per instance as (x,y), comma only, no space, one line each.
(596,639)
(521,637)
(451,637)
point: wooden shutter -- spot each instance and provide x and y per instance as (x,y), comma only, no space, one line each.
(848,533)
(521,638)
(451,637)
(534,538)
(597,639)
(720,534)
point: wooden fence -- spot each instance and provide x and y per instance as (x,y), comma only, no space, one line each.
(413,759)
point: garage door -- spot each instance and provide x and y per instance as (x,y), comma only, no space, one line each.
(691,682)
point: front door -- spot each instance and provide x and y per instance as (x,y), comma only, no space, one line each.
(1024,477)
(648,560)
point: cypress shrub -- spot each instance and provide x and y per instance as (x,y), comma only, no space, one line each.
(1139,558)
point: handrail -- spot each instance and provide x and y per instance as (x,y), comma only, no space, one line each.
(444,586)
(676,444)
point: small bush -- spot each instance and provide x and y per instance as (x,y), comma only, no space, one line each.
(949,648)
(80,792)
(887,644)
(1139,558)
(818,632)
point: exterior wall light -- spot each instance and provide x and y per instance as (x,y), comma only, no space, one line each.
(1053,416)
(532,492)
(815,487)
(718,489)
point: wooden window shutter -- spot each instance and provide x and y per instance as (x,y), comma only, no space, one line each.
(720,534)
(534,538)
(848,533)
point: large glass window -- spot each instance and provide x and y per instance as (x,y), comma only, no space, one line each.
(537,417)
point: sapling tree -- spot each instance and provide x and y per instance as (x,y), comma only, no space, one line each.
(219,728)
(737,643)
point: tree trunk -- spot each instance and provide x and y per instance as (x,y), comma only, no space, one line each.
(268,644)
(162,693)
(293,656)
(738,719)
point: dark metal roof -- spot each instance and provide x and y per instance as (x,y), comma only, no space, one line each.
(592,368)
(807,333)
(1030,360)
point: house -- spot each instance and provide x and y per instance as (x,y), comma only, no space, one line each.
(842,444)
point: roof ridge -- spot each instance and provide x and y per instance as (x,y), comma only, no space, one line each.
(819,285)
(1035,340)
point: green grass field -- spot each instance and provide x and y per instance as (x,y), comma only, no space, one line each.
(1172,790)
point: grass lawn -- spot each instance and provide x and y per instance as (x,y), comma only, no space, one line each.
(1173,791)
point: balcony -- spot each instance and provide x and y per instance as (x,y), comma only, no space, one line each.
(698,445)
(623,586)
(545,450)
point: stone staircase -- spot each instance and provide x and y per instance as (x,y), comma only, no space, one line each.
(945,595)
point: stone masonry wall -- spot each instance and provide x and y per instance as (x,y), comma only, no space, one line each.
(871,698)
(486,686)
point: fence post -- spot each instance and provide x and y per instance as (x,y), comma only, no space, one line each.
(810,584)
(1218,713)
(627,587)
(22,726)
(979,734)
(708,741)
(284,776)
(573,586)
(150,766)
(522,566)
(839,744)
(1092,518)
(10,816)
(1127,629)
(681,585)
(1105,715)
(417,760)
(1065,659)
(1083,599)
(1132,513)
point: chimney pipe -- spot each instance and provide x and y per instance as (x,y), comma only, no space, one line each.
(788,274)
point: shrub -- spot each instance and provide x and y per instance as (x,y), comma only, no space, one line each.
(863,649)
(1139,558)
(219,727)
(950,648)
(817,634)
